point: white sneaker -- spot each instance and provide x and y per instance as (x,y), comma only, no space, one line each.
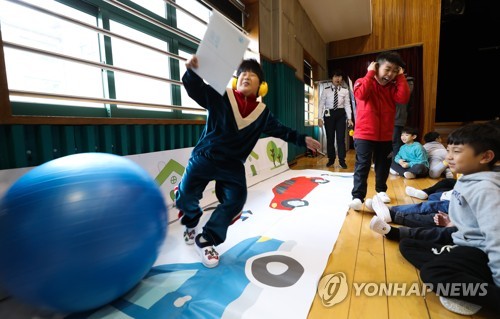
(189,235)
(209,256)
(409,175)
(379,226)
(384,197)
(381,209)
(461,307)
(417,193)
(393,172)
(368,205)
(356,204)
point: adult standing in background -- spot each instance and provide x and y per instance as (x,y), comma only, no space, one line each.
(401,118)
(334,110)
(376,95)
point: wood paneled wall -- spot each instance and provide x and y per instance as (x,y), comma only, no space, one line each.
(285,32)
(397,24)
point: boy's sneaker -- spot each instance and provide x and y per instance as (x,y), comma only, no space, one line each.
(209,256)
(384,197)
(381,209)
(368,205)
(417,193)
(393,172)
(379,226)
(189,235)
(409,175)
(461,307)
(356,204)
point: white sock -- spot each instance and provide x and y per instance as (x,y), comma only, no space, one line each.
(417,193)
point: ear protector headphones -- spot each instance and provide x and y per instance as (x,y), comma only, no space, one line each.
(263,87)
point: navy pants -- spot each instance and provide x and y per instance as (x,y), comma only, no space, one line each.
(420,170)
(366,151)
(396,139)
(230,189)
(335,126)
(442,185)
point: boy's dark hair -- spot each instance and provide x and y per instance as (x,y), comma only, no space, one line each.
(410,130)
(390,56)
(431,136)
(480,136)
(253,66)
(337,72)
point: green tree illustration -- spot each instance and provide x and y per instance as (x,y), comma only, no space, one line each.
(275,154)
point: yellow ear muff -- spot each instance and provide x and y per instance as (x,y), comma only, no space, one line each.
(234,83)
(263,89)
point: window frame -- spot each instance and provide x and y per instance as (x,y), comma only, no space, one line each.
(309,90)
(72,114)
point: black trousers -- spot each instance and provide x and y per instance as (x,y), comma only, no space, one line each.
(461,273)
(396,139)
(335,126)
(443,185)
(366,151)
(420,170)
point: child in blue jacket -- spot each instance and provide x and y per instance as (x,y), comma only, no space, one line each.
(411,160)
(235,122)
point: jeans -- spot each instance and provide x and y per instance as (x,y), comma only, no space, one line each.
(418,215)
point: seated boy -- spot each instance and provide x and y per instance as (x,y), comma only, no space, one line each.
(462,263)
(411,159)
(436,153)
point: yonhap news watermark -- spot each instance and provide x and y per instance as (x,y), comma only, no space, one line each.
(334,288)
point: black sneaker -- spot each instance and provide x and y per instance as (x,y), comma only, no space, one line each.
(330,163)
(343,165)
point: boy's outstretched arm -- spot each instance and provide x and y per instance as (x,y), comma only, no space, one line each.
(312,144)
(196,88)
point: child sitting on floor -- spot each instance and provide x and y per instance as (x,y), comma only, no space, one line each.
(467,255)
(436,153)
(411,160)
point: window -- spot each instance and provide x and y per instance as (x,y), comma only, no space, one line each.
(67,54)
(141,59)
(308,94)
(196,26)
(43,73)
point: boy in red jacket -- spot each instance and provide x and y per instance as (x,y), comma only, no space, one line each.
(376,96)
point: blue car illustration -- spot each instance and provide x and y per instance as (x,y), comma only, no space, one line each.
(191,290)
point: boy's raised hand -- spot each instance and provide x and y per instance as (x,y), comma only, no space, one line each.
(192,63)
(372,66)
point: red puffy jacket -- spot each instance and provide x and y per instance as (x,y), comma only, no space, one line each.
(376,106)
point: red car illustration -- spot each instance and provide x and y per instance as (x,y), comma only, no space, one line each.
(290,193)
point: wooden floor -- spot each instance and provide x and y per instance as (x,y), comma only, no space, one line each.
(367,257)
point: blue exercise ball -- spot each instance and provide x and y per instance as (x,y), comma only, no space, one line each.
(79,231)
